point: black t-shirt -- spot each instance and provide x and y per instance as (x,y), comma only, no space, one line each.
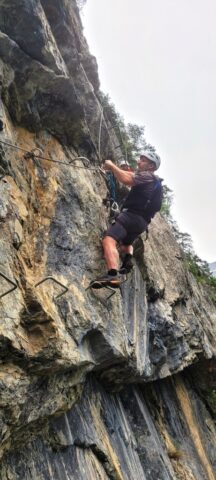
(141,196)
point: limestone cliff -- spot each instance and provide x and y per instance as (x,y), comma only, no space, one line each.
(90,388)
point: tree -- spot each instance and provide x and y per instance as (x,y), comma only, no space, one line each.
(131,136)
(166,205)
(185,241)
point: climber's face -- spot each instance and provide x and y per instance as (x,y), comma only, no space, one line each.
(144,164)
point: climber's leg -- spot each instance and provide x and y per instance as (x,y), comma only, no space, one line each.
(110,253)
(127,249)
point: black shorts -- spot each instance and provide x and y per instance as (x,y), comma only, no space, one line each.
(127,227)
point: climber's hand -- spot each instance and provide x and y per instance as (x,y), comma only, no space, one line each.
(108,165)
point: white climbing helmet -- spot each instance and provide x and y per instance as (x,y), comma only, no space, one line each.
(153,157)
(124,162)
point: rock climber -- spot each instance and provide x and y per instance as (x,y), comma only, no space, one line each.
(143,201)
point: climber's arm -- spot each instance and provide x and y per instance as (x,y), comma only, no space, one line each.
(127,178)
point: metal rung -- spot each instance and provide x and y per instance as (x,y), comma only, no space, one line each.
(9,281)
(56,281)
(108,288)
(113,291)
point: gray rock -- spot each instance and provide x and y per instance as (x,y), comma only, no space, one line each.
(52,219)
(142,433)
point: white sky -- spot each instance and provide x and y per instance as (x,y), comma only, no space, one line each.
(157,61)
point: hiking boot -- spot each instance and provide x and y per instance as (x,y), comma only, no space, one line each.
(108,281)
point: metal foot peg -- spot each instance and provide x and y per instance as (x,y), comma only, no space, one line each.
(56,281)
(96,285)
(113,290)
(9,281)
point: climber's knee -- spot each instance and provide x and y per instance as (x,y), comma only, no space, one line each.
(108,242)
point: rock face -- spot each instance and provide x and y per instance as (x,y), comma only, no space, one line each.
(90,387)
(139,433)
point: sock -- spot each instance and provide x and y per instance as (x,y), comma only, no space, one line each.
(127,259)
(112,272)
(127,263)
(128,255)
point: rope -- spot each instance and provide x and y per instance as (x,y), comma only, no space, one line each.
(112,128)
(31,154)
(111,185)
(103,119)
(99,136)
(122,141)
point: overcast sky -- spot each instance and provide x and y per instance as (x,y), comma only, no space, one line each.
(157,61)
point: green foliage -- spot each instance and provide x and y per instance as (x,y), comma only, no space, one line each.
(131,136)
(135,141)
(213,396)
(212,281)
(212,399)
(184,240)
(198,267)
(167,202)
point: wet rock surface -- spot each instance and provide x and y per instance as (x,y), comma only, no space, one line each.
(54,332)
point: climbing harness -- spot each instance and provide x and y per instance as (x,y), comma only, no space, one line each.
(111,186)
(110,200)
(115,208)
(112,206)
